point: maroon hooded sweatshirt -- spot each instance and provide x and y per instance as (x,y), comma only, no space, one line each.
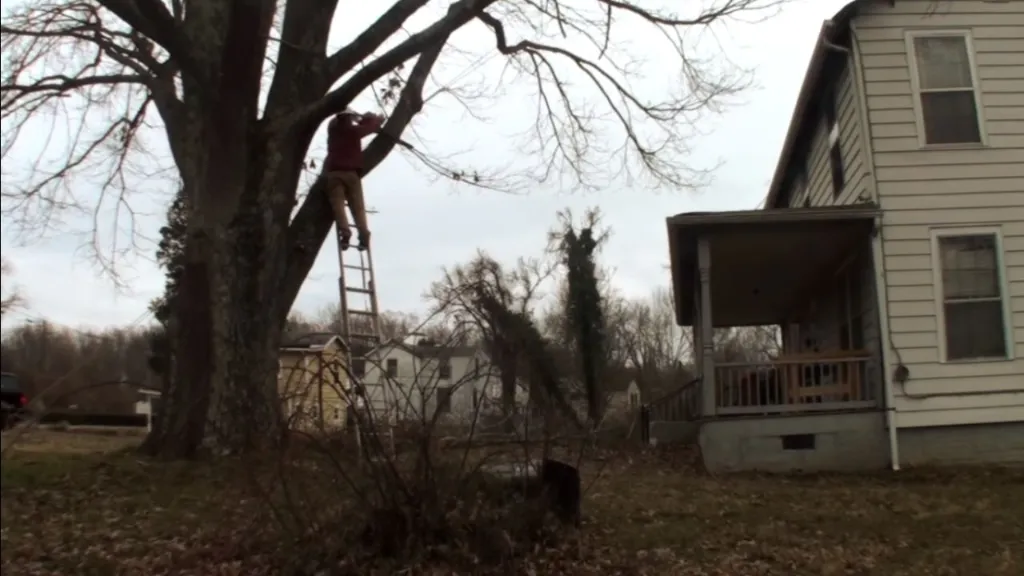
(344,143)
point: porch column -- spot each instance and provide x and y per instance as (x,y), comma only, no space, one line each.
(707,331)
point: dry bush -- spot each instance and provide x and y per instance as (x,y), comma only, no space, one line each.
(403,483)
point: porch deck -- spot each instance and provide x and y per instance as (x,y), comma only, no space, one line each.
(807,272)
(808,382)
(794,383)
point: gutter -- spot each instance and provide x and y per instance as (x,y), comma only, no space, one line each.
(877,254)
(815,214)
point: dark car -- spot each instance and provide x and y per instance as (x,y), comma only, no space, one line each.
(12,399)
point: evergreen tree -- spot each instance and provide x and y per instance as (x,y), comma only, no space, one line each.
(169,254)
(583,303)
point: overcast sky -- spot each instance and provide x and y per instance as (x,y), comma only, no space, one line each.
(423,224)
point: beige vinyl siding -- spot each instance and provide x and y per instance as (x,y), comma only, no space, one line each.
(308,381)
(968,187)
(819,170)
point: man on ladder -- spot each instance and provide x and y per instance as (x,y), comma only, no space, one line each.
(344,172)
(360,319)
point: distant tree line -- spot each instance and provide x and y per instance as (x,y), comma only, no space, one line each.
(555,322)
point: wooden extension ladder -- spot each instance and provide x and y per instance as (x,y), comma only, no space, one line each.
(360,326)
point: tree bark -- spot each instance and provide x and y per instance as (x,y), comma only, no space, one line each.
(230,311)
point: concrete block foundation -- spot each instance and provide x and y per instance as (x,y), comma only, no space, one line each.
(790,443)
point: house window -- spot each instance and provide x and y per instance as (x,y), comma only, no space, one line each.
(945,84)
(444,400)
(392,367)
(444,370)
(359,367)
(972,309)
(835,153)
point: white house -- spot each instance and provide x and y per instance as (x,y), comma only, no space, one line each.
(890,251)
(145,405)
(407,381)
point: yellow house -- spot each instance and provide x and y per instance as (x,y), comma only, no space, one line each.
(312,382)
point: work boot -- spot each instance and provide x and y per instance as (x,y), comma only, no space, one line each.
(344,240)
(364,241)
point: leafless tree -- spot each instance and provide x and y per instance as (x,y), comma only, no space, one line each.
(59,367)
(242,87)
(12,299)
(654,345)
(460,298)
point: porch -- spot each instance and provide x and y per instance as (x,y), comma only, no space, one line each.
(807,273)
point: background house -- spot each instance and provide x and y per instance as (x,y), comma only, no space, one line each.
(312,381)
(412,379)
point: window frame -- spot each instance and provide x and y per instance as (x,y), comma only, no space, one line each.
(388,363)
(444,369)
(938,234)
(358,367)
(915,86)
(834,143)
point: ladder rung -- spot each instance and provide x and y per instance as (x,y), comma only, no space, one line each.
(358,290)
(354,267)
(362,312)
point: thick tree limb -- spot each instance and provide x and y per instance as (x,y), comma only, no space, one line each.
(312,223)
(459,14)
(152,19)
(359,49)
(303,45)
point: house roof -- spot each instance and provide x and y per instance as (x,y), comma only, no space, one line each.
(762,261)
(427,352)
(445,351)
(312,342)
(692,221)
(814,80)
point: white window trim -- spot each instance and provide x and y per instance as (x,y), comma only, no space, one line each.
(915,86)
(1004,291)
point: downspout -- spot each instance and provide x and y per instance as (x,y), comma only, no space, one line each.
(877,252)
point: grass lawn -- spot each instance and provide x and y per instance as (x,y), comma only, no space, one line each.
(69,510)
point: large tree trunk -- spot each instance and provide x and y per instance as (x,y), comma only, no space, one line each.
(228,321)
(239,173)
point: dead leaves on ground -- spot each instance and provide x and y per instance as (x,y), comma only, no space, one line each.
(646,515)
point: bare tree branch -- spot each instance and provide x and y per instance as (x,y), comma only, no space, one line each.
(82,76)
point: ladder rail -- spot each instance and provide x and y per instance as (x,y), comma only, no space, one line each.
(360,280)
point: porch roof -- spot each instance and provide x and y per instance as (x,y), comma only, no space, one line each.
(763,262)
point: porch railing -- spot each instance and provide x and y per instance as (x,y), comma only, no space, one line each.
(795,385)
(680,405)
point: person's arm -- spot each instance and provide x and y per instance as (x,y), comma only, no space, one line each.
(369,124)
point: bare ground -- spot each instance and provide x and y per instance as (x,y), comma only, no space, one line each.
(76,503)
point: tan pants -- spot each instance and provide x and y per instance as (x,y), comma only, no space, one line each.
(347,188)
